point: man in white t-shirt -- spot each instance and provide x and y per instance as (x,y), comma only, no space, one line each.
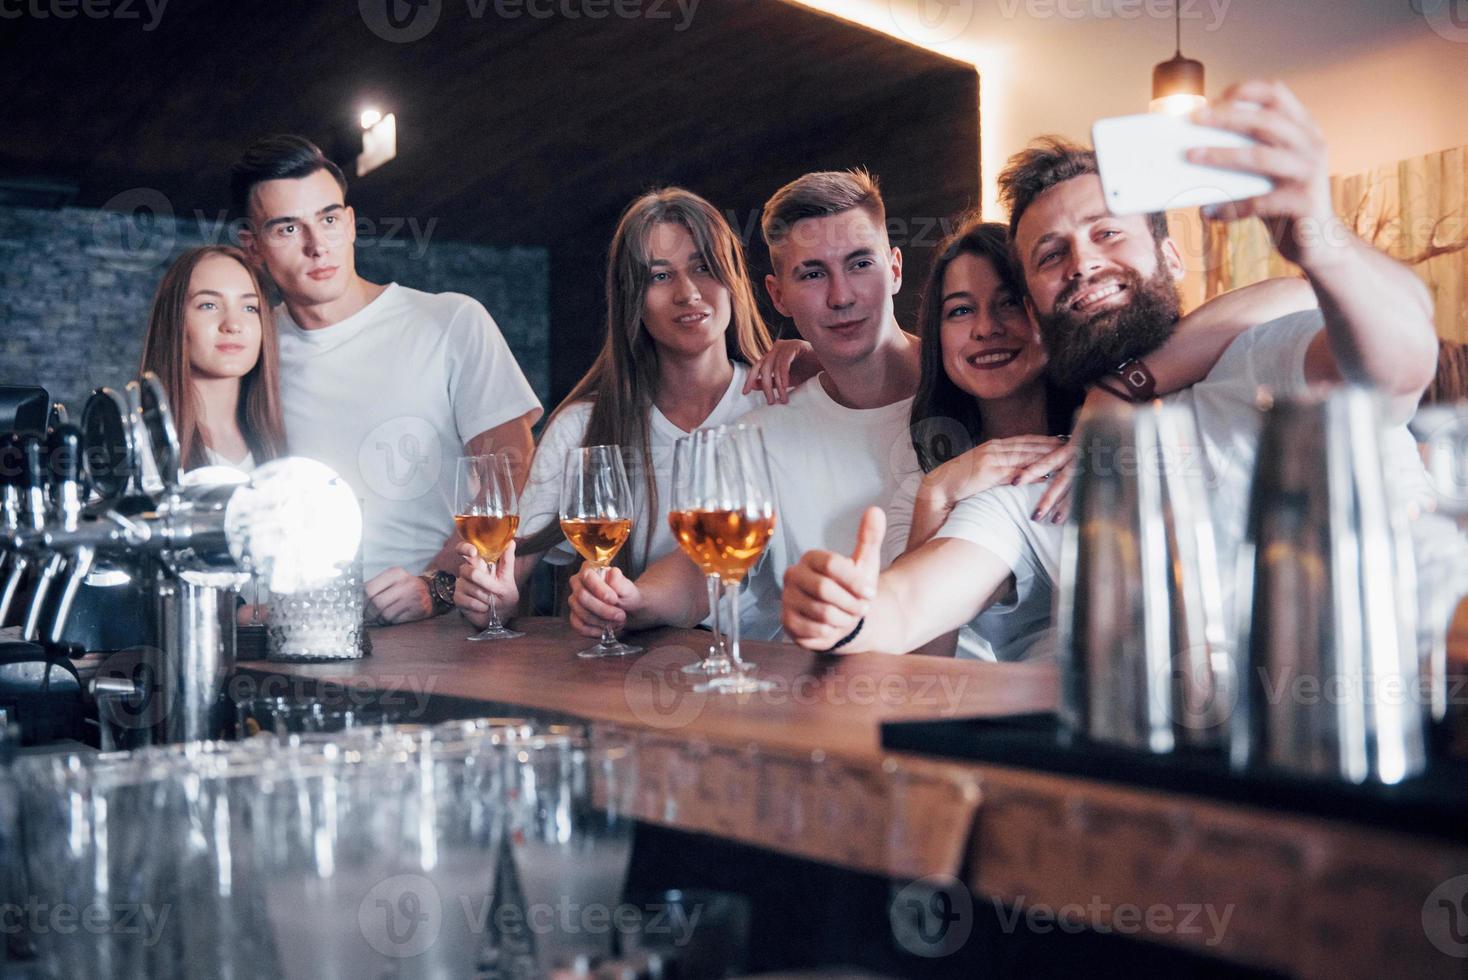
(1104,291)
(841,442)
(385,384)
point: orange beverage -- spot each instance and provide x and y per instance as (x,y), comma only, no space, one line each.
(598,539)
(684,524)
(490,533)
(728,541)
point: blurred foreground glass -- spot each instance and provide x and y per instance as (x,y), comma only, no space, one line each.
(571,825)
(700,935)
(369,857)
(596,517)
(487,515)
(1441,432)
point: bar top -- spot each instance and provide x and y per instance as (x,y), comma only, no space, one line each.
(822,702)
(799,770)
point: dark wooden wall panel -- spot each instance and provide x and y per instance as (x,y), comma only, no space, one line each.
(525,130)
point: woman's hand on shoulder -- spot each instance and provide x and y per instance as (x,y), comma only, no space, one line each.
(1021,459)
(786,365)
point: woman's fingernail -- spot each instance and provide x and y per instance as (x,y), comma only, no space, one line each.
(1035,516)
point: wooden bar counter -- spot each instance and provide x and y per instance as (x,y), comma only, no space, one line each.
(800,771)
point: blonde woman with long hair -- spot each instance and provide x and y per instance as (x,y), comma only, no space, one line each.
(685,348)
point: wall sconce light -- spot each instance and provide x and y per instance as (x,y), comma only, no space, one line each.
(379,140)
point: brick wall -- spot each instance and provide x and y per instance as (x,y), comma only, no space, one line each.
(76,286)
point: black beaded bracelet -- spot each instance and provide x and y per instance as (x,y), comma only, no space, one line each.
(847,638)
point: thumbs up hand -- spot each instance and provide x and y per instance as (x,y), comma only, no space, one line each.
(826,594)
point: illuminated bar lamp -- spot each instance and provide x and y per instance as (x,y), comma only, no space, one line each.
(1177,83)
(379,140)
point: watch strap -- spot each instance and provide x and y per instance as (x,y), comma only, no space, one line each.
(1136,380)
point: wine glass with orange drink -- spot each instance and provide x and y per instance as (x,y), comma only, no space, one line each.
(596,517)
(729,529)
(693,492)
(486,513)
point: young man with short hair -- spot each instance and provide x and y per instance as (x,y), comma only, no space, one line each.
(1103,289)
(840,444)
(385,384)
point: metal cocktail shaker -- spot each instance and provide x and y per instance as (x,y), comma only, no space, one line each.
(1333,686)
(1145,661)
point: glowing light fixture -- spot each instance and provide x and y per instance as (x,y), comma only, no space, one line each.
(379,141)
(1177,83)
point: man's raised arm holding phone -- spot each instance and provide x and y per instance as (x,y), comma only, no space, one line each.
(1378,314)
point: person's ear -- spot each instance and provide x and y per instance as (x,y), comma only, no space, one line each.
(248,243)
(351,214)
(772,286)
(1173,259)
(896,270)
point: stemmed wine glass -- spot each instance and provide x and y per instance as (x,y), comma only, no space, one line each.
(693,494)
(596,516)
(487,514)
(732,531)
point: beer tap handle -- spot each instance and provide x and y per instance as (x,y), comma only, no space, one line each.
(12,478)
(80,568)
(11,473)
(64,456)
(33,463)
(19,564)
(48,572)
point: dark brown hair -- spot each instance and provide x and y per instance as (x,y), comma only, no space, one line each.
(1450,384)
(277,158)
(817,195)
(1047,161)
(165,353)
(623,380)
(947,421)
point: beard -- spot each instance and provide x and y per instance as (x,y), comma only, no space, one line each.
(1084,347)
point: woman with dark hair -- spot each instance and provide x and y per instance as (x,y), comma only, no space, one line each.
(683,332)
(985,411)
(987,416)
(211,341)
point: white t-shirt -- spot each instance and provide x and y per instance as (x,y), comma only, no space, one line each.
(1271,357)
(829,464)
(245,465)
(540,503)
(388,398)
(1020,628)
(971,645)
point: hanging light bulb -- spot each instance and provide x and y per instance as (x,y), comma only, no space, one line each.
(1177,83)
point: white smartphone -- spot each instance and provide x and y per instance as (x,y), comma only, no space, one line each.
(1144,168)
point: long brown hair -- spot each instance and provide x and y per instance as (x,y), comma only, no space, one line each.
(165,353)
(946,420)
(623,379)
